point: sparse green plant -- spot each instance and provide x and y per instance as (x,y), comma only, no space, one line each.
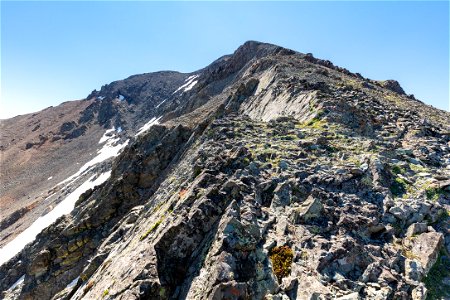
(366,180)
(314,229)
(105,293)
(197,171)
(157,207)
(304,255)
(417,168)
(281,258)
(398,187)
(151,229)
(434,280)
(397,169)
(433,193)
(408,253)
(317,121)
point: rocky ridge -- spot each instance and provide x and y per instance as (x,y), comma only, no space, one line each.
(276,176)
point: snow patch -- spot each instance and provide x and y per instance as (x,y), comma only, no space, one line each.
(18,282)
(101,97)
(188,85)
(64,207)
(72,283)
(147,125)
(160,104)
(107,151)
(121,97)
(106,136)
(119,129)
(50,178)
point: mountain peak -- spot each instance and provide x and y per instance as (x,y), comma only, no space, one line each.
(269,174)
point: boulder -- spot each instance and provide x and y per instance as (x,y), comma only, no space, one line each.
(282,195)
(413,270)
(393,85)
(416,228)
(310,209)
(426,248)
(40,263)
(351,296)
(419,292)
(309,288)
(230,290)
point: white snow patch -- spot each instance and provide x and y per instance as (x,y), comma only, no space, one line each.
(190,78)
(160,104)
(107,151)
(119,129)
(101,97)
(18,282)
(72,283)
(50,178)
(64,207)
(121,97)
(189,84)
(147,125)
(106,136)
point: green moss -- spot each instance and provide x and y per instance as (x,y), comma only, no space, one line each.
(355,161)
(443,216)
(433,193)
(314,229)
(157,207)
(304,255)
(311,106)
(316,122)
(162,292)
(433,281)
(151,229)
(289,137)
(105,293)
(397,170)
(398,187)
(398,227)
(197,171)
(367,181)
(281,258)
(417,168)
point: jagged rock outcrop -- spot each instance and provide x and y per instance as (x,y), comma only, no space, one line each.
(275,175)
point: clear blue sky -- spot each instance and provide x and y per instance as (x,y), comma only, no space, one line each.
(57,51)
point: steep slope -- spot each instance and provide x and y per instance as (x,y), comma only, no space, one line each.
(273,175)
(41,150)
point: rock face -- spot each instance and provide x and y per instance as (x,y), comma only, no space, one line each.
(272,175)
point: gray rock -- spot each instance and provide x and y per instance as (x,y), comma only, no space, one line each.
(283,165)
(413,270)
(426,247)
(398,212)
(310,209)
(282,195)
(351,296)
(416,228)
(371,273)
(377,292)
(40,263)
(419,292)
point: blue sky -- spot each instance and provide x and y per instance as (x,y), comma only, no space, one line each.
(57,51)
